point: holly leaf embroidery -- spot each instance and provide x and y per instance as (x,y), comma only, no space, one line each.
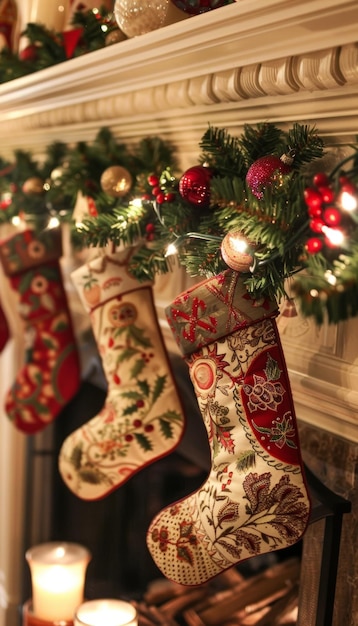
(158,387)
(143,442)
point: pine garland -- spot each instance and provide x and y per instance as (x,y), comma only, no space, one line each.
(290,226)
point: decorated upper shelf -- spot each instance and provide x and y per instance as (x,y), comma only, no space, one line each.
(244,62)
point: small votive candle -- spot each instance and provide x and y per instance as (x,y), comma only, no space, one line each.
(106,613)
(58,576)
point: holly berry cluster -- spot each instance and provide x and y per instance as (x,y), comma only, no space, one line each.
(330,208)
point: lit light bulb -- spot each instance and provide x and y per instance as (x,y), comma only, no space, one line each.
(16,221)
(171,249)
(335,236)
(348,202)
(330,278)
(53,222)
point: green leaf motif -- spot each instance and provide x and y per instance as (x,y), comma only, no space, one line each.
(137,368)
(137,334)
(166,428)
(184,554)
(76,457)
(246,460)
(158,387)
(144,442)
(272,369)
(132,394)
(90,476)
(144,387)
(126,354)
(130,410)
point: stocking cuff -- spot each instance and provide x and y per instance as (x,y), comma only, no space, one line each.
(104,278)
(213,309)
(28,249)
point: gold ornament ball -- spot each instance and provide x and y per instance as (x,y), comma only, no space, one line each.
(235,250)
(114,36)
(33,185)
(116,181)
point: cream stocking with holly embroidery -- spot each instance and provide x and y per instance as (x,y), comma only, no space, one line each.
(142,419)
(255,499)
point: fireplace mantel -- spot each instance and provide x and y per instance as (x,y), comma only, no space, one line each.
(245,63)
(252,61)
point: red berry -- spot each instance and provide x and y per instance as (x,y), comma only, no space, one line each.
(146,196)
(110,342)
(170,197)
(327,194)
(140,404)
(29,53)
(160,198)
(137,423)
(128,438)
(348,187)
(313,245)
(153,180)
(314,211)
(332,216)
(149,428)
(312,197)
(320,179)
(156,190)
(116,379)
(149,228)
(317,224)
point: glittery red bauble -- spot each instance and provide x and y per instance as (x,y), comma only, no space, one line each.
(195,7)
(265,172)
(194,185)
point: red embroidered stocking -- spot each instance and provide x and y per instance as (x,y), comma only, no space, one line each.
(142,419)
(255,498)
(51,374)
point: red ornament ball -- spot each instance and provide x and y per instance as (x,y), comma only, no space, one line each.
(29,53)
(266,172)
(195,7)
(194,185)
(236,252)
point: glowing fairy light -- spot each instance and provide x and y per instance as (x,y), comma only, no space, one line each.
(16,220)
(53,222)
(330,278)
(348,202)
(335,236)
(171,249)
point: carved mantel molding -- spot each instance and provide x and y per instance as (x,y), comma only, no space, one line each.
(245,63)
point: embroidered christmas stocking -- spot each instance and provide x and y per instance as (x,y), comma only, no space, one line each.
(255,499)
(142,419)
(51,374)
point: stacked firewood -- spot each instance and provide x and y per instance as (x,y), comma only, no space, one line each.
(269,598)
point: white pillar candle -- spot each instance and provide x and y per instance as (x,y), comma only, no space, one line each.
(58,575)
(106,613)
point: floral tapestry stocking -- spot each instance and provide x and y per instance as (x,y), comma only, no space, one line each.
(254,500)
(51,374)
(142,419)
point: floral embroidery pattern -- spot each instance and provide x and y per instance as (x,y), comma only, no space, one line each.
(273,516)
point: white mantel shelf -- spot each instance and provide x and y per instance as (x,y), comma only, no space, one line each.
(251,61)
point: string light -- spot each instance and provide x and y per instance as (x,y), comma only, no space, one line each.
(348,202)
(171,249)
(53,222)
(334,236)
